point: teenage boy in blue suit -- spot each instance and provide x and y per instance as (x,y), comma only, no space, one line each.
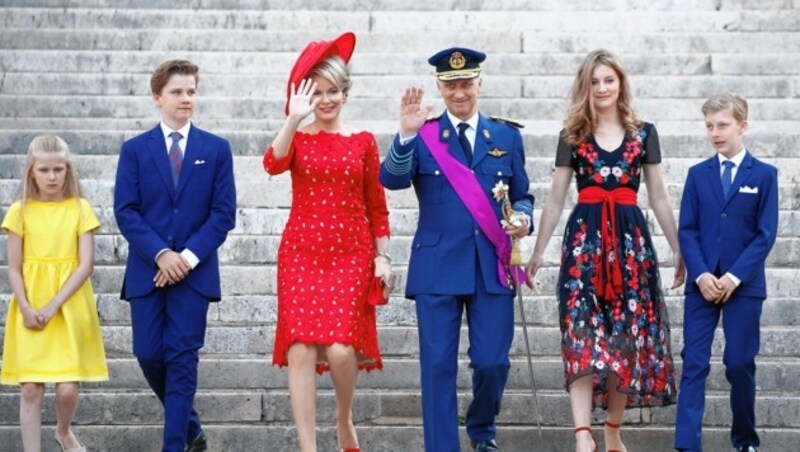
(174,202)
(453,266)
(728,222)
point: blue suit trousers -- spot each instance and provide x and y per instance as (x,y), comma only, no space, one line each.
(169,328)
(490,319)
(741,317)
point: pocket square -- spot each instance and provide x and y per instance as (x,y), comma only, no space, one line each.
(746,189)
(199,162)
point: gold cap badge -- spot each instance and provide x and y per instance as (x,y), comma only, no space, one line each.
(457,60)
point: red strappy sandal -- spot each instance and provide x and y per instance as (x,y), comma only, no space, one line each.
(587,429)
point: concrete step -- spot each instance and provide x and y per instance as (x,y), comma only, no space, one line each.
(541,309)
(379,407)
(263,250)
(251,169)
(431,5)
(272,194)
(494,86)
(389,64)
(678,140)
(274,39)
(388,21)
(381,437)
(256,373)
(401,341)
(251,406)
(384,107)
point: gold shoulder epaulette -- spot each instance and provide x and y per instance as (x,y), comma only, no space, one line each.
(434,118)
(510,122)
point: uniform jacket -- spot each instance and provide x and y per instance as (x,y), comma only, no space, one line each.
(448,244)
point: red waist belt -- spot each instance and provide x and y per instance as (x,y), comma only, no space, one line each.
(610,281)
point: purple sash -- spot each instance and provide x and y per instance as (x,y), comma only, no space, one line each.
(473,196)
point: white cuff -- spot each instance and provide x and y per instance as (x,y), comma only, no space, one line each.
(190,257)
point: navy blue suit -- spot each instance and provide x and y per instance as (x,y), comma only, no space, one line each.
(453,266)
(720,235)
(169,323)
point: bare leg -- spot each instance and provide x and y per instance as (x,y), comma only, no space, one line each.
(580,397)
(303,393)
(30,416)
(616,406)
(344,373)
(66,405)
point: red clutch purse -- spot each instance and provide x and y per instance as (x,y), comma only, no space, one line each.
(378,292)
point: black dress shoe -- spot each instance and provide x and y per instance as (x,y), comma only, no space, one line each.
(485,446)
(747,449)
(198,444)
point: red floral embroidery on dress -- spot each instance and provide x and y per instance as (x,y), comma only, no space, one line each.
(629,335)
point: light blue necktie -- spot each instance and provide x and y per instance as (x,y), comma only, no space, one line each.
(727,180)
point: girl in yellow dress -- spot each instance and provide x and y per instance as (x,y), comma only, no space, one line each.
(52,332)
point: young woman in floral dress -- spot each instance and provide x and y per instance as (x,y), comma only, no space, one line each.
(615,339)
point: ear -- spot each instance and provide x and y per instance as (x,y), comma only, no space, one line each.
(157,100)
(743,125)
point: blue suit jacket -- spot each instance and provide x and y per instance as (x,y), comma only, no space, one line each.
(729,235)
(152,216)
(449,244)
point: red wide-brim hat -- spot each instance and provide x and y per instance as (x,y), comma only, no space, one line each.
(315,53)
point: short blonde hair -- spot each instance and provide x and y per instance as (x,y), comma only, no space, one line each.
(723,101)
(335,70)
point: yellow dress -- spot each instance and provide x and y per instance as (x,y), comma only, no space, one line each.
(70,347)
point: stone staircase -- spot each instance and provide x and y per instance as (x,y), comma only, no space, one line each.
(80,68)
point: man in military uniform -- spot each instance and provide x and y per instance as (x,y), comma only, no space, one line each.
(459,256)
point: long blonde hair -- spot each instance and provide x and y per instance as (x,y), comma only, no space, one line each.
(48,144)
(581,119)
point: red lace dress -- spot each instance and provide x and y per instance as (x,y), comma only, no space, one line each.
(325,259)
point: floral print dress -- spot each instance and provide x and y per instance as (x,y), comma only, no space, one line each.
(626,334)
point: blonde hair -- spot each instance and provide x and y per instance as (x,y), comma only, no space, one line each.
(723,101)
(581,119)
(335,70)
(54,145)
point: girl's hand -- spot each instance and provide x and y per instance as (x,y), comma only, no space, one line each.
(302,101)
(31,319)
(680,272)
(47,313)
(534,264)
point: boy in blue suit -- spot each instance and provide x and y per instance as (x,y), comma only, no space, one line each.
(174,202)
(728,222)
(454,261)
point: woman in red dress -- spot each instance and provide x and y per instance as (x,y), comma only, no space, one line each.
(335,242)
(615,340)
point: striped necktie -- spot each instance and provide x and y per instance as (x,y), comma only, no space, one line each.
(175,158)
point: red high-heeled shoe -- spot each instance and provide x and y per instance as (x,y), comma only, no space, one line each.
(610,425)
(587,429)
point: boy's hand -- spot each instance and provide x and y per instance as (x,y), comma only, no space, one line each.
(728,286)
(173,266)
(710,288)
